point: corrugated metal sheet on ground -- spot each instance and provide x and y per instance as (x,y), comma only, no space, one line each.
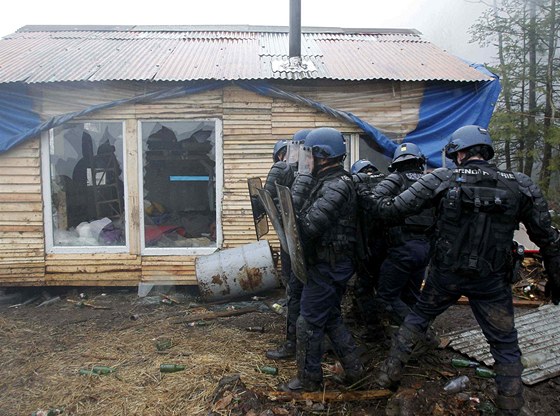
(539,339)
(37,54)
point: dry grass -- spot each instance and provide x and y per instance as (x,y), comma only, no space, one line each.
(43,350)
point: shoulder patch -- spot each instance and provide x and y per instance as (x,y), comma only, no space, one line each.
(414,176)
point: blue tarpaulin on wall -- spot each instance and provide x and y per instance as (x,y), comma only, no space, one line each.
(445,107)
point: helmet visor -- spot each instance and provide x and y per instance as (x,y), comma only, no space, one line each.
(305,163)
(293,153)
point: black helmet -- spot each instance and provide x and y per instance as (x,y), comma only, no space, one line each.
(300,135)
(406,152)
(281,145)
(326,143)
(361,165)
(469,136)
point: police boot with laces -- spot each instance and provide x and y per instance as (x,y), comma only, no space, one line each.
(286,351)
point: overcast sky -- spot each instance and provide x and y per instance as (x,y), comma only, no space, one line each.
(443,22)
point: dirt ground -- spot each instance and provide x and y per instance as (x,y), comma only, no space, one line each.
(44,348)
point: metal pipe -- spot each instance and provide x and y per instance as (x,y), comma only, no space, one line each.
(295,28)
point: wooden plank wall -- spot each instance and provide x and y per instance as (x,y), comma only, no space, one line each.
(22,253)
(251,125)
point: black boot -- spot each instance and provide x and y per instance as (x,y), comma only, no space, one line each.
(354,371)
(309,353)
(345,348)
(390,371)
(429,342)
(286,351)
(510,388)
(308,382)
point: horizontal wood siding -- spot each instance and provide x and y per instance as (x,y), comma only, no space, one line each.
(93,269)
(22,250)
(251,125)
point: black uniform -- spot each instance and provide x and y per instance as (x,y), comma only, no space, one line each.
(327,222)
(282,173)
(479,207)
(371,248)
(408,251)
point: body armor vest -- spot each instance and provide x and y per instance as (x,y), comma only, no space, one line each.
(418,226)
(368,229)
(340,238)
(479,214)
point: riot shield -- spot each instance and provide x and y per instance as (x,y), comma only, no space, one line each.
(268,204)
(295,248)
(259,212)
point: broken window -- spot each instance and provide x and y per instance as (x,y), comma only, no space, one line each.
(179,183)
(86,185)
(369,150)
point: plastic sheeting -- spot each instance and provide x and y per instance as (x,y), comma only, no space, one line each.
(444,108)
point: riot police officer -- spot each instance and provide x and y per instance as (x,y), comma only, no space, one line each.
(283,172)
(278,159)
(408,241)
(479,207)
(279,151)
(325,204)
(371,248)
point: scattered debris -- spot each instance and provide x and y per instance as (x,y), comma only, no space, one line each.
(215,315)
(539,338)
(49,301)
(83,303)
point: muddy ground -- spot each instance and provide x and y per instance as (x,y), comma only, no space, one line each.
(43,349)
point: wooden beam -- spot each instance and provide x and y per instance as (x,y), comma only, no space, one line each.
(330,396)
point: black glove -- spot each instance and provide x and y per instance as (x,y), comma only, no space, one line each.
(257,207)
(552,267)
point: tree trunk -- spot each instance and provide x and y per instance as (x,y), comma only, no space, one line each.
(549,113)
(506,87)
(531,138)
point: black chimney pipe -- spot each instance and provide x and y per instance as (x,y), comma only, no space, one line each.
(295,28)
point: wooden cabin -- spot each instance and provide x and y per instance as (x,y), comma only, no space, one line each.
(125,151)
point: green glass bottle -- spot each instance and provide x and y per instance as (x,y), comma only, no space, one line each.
(84,372)
(463,363)
(171,368)
(163,344)
(484,372)
(268,370)
(101,369)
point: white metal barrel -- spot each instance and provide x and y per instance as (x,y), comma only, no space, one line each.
(236,272)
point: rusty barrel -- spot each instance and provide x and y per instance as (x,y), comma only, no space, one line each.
(236,272)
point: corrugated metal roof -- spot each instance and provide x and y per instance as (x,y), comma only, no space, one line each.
(37,54)
(539,340)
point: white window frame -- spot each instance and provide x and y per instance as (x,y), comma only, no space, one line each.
(184,251)
(50,248)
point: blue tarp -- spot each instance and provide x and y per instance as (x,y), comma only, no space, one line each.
(444,108)
(17,117)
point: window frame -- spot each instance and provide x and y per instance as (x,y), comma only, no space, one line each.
(219,177)
(50,247)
